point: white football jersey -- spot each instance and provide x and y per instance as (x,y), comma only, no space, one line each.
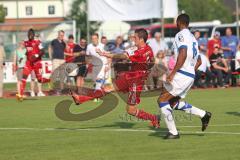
(185,39)
(97,60)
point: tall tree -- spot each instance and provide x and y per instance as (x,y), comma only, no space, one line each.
(206,10)
(78,13)
(2,14)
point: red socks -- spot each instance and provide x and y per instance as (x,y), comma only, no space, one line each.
(141,114)
(22,86)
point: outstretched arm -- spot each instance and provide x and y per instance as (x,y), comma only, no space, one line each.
(114,56)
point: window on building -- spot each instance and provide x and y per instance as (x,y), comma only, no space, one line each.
(51,9)
(5,11)
(29,10)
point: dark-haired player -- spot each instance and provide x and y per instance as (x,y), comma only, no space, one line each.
(132,81)
(34,56)
(180,80)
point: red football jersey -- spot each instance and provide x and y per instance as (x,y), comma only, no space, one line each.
(33,47)
(69,50)
(140,58)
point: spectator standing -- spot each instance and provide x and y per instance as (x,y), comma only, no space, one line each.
(119,64)
(68,52)
(202,41)
(19,60)
(2,63)
(81,62)
(219,68)
(158,44)
(215,42)
(56,50)
(56,53)
(229,45)
(99,63)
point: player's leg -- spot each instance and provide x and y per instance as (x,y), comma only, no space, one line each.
(86,94)
(133,101)
(32,84)
(167,114)
(190,109)
(37,69)
(26,71)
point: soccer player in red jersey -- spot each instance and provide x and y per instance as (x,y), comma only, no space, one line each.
(34,56)
(132,81)
(69,56)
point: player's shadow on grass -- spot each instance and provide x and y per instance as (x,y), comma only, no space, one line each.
(161,132)
(31,99)
(119,124)
(122,125)
(233,113)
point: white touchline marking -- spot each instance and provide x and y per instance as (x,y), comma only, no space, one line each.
(213,125)
(117,130)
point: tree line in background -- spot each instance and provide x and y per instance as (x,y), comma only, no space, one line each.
(199,10)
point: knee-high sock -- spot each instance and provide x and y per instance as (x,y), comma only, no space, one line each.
(98,84)
(22,86)
(141,114)
(168,117)
(89,94)
(188,108)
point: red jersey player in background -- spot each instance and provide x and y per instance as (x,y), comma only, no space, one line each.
(69,56)
(34,56)
(132,81)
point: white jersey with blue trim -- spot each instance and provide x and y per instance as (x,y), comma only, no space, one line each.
(185,39)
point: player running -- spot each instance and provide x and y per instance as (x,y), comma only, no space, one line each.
(34,56)
(132,81)
(180,80)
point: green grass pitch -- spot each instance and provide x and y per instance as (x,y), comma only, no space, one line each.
(30,130)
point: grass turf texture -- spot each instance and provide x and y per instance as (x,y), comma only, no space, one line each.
(113,137)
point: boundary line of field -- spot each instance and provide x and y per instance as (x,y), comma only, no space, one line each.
(122,130)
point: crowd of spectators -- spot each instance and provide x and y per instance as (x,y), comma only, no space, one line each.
(220,59)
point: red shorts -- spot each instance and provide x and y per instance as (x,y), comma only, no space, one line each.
(131,82)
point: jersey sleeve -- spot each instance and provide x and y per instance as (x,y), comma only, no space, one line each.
(181,41)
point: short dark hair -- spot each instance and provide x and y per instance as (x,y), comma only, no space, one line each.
(104,37)
(184,19)
(142,33)
(95,34)
(70,36)
(61,31)
(31,30)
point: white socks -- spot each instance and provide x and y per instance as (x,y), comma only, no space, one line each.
(168,117)
(184,106)
(98,84)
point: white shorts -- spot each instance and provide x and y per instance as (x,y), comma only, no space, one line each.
(99,72)
(180,85)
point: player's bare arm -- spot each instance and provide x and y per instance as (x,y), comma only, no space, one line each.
(81,53)
(50,51)
(113,56)
(180,61)
(198,64)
